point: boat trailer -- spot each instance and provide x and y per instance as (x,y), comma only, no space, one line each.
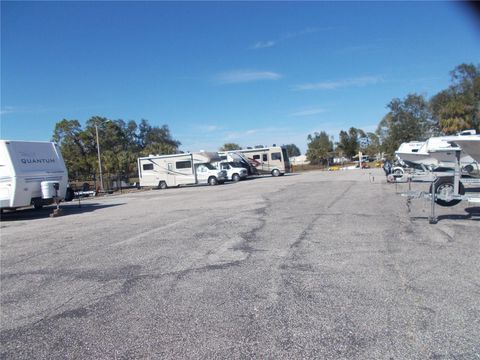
(445,190)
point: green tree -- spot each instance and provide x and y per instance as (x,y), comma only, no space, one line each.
(292,150)
(230,147)
(458,107)
(349,142)
(409,119)
(71,139)
(319,147)
(121,144)
(373,146)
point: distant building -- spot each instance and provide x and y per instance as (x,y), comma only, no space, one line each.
(299,160)
(339,160)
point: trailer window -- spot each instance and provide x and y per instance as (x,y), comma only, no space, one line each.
(183,164)
(256,157)
(277,156)
(147,166)
(265,157)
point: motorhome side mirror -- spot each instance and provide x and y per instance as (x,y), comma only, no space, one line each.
(56,186)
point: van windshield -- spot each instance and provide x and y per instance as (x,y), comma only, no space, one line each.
(235,164)
(208,166)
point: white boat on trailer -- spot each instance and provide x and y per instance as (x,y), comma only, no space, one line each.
(470,144)
(449,190)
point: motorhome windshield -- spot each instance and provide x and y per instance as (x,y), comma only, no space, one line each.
(285,155)
(235,164)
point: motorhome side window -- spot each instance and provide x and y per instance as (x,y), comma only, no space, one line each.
(256,157)
(183,164)
(147,166)
(277,156)
(265,157)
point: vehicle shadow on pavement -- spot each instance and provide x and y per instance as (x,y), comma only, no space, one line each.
(472,213)
(34,214)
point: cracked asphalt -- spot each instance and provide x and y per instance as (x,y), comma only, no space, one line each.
(314,265)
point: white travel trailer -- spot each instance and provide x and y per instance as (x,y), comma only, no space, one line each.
(269,160)
(29,173)
(165,171)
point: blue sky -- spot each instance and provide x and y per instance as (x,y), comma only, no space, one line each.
(244,72)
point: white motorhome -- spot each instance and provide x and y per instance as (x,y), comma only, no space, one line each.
(30,172)
(269,160)
(165,171)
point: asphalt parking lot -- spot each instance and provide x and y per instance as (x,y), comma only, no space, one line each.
(313,265)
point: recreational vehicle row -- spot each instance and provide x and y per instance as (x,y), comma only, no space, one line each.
(210,168)
(34,173)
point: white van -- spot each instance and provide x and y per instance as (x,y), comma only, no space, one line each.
(165,171)
(239,158)
(31,173)
(235,171)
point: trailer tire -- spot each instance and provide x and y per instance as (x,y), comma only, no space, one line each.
(275,172)
(235,177)
(444,185)
(162,185)
(398,172)
(70,194)
(212,180)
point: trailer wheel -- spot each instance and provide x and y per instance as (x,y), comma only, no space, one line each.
(212,180)
(275,172)
(398,172)
(235,177)
(162,185)
(444,185)
(70,194)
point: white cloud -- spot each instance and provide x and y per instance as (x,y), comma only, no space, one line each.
(308,112)
(243,76)
(7,110)
(345,83)
(287,36)
(263,44)
(252,137)
(207,128)
(235,135)
(360,49)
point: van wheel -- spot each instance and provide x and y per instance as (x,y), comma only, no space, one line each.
(235,177)
(162,185)
(275,172)
(212,180)
(444,186)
